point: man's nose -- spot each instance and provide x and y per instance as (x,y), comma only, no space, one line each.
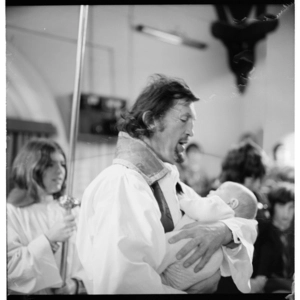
(190,129)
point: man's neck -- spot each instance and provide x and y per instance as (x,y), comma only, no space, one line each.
(153,145)
(138,154)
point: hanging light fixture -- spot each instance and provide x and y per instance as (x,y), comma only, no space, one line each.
(171,38)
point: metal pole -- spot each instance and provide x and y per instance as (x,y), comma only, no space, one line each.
(74,121)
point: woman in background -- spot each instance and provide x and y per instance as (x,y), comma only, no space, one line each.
(273,263)
(37,224)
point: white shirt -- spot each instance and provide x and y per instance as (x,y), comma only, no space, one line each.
(32,266)
(120,239)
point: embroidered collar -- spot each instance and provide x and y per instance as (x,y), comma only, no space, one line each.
(136,154)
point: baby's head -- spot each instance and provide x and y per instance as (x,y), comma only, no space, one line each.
(239,198)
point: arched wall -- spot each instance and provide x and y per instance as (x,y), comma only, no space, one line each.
(28,97)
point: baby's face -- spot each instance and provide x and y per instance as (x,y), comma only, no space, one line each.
(224,191)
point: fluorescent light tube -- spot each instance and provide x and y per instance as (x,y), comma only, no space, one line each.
(169,37)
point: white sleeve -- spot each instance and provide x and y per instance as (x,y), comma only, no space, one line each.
(238,261)
(31,267)
(122,242)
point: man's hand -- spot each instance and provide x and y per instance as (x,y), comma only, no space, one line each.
(205,238)
(206,286)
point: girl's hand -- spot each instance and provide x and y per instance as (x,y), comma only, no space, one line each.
(62,230)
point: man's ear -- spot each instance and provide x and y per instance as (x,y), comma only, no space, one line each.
(148,119)
(234,203)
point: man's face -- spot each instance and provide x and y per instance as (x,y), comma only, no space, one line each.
(173,132)
(283,215)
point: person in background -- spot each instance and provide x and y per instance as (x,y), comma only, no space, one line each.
(278,170)
(245,163)
(273,263)
(37,224)
(128,207)
(192,172)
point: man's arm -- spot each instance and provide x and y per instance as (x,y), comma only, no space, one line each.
(206,238)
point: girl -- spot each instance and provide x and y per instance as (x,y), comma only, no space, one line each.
(37,224)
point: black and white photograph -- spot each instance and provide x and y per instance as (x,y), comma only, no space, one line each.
(150,149)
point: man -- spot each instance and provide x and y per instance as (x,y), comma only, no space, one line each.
(127,209)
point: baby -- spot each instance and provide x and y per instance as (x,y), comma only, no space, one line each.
(229,200)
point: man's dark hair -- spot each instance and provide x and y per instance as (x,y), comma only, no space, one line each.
(156,99)
(242,161)
(282,193)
